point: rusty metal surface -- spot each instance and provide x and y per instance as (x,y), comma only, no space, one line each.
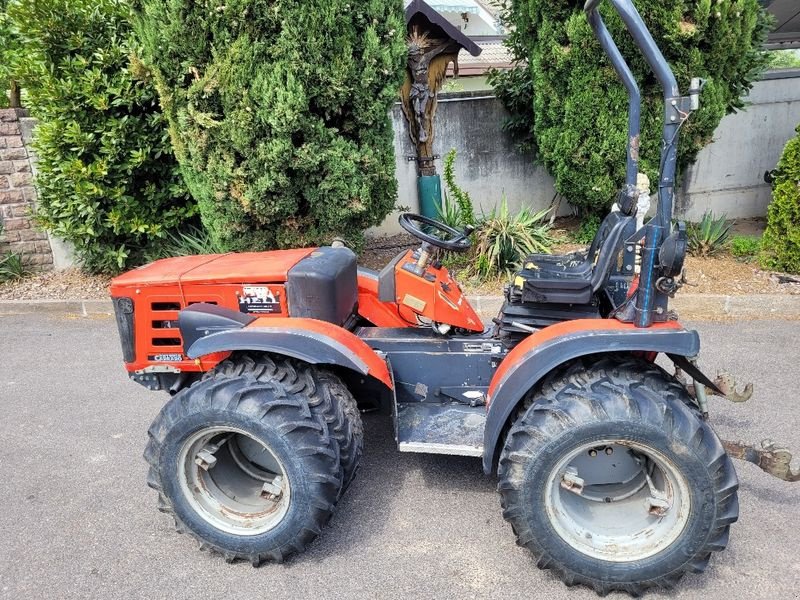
(771,459)
(727,385)
(724,385)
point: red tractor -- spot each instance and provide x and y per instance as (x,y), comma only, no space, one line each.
(608,470)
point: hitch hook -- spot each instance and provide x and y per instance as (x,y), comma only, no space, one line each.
(771,459)
(727,385)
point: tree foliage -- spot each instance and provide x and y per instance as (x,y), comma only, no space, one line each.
(566,100)
(278,112)
(780,246)
(9,47)
(107,180)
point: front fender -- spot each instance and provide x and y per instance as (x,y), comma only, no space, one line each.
(537,355)
(312,341)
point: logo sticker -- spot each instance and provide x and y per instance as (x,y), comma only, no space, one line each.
(166,358)
(260,300)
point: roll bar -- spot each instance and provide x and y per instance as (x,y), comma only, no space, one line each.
(660,67)
(634,97)
(676,109)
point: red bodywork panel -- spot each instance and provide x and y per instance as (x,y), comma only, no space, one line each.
(161,289)
(434,295)
(559,329)
(377,312)
(212,269)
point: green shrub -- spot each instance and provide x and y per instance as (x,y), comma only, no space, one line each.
(9,47)
(107,179)
(278,112)
(567,98)
(460,197)
(587,229)
(745,247)
(505,239)
(709,236)
(784,59)
(515,88)
(188,242)
(449,213)
(781,242)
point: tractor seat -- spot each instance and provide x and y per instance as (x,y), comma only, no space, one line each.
(573,278)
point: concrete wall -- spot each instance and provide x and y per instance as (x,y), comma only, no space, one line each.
(728,176)
(487,165)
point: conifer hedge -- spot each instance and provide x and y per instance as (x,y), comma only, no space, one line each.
(278,112)
(568,105)
(780,246)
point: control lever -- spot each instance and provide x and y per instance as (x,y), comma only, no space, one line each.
(468,229)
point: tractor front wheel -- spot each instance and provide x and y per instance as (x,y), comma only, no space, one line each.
(610,477)
(252,459)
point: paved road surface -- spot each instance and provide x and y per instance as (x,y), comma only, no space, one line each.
(77,521)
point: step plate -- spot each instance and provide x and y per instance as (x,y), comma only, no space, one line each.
(430,428)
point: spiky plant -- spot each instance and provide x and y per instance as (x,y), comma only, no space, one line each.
(710,235)
(505,239)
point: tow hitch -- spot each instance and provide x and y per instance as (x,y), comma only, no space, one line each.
(770,458)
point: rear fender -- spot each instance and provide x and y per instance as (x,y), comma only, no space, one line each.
(208,329)
(536,356)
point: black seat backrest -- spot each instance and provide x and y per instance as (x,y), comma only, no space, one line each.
(603,231)
(606,246)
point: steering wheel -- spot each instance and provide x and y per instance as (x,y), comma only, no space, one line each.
(457,241)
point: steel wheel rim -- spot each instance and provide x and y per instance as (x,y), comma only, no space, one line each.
(618,523)
(245,491)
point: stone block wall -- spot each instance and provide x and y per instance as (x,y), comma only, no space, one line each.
(18,197)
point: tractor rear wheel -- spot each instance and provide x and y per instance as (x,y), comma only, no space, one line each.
(247,461)
(612,480)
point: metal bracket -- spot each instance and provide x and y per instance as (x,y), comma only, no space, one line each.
(658,503)
(570,481)
(773,460)
(727,385)
(682,106)
(273,490)
(205,459)
(415,158)
(158,369)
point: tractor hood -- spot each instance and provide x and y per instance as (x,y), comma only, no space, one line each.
(250,267)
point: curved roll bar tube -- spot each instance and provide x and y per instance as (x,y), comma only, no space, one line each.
(676,110)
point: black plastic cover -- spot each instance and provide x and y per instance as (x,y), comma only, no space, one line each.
(199,320)
(123,311)
(672,254)
(324,285)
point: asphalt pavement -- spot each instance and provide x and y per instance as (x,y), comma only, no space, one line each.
(77,520)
